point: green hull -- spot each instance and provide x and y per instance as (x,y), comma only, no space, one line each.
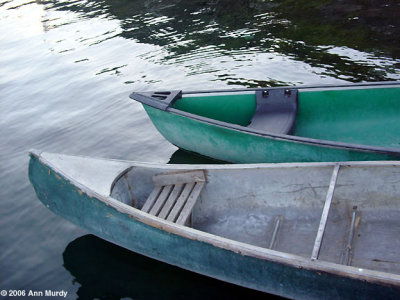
(190,249)
(332,124)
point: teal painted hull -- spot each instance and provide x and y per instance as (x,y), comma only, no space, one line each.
(351,123)
(88,210)
(240,147)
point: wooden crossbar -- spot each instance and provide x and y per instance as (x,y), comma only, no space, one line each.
(174,195)
(325,212)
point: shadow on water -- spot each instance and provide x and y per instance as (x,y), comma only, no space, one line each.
(70,65)
(185,157)
(348,39)
(107,271)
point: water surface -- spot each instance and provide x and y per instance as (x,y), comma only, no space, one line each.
(67,68)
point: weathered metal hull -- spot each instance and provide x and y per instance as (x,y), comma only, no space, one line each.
(349,123)
(195,251)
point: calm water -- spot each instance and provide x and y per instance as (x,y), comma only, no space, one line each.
(67,68)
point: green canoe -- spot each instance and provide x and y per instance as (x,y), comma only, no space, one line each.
(286,124)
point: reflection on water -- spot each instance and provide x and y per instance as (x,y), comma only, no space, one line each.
(68,66)
(246,43)
(112,272)
(349,40)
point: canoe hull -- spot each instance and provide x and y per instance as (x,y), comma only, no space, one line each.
(350,122)
(90,211)
(236,146)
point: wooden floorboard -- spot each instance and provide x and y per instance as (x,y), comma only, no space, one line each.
(187,209)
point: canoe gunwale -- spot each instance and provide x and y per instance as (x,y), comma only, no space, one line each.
(300,87)
(392,151)
(291,260)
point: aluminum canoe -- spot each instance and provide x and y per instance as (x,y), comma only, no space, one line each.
(298,230)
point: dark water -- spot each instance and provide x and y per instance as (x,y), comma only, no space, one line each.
(67,67)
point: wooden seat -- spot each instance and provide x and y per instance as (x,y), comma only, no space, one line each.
(174,195)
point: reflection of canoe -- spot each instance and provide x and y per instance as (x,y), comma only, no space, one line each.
(105,270)
(316,230)
(352,122)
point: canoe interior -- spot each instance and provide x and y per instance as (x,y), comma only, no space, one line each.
(358,115)
(281,208)
(235,108)
(368,116)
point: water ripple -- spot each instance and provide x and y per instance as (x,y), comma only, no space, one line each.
(68,66)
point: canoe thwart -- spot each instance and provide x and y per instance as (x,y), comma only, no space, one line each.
(179,177)
(325,212)
(276,111)
(160,100)
(174,195)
